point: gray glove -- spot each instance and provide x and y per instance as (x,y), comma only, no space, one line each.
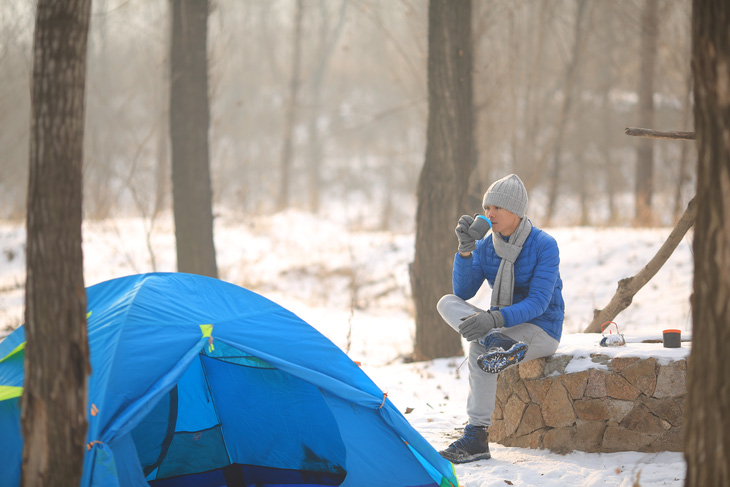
(476,326)
(467,242)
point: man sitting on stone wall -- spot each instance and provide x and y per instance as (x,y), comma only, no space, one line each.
(525,321)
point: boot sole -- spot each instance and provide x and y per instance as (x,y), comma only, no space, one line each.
(465,457)
(496,362)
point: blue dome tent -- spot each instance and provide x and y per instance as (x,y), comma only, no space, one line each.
(200,382)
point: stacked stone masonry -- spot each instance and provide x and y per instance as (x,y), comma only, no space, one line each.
(627,404)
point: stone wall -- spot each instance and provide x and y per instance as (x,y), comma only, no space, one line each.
(625,404)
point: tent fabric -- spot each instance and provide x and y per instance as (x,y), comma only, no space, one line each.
(196,381)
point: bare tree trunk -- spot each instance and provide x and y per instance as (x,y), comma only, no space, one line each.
(162,166)
(287,151)
(56,354)
(444,179)
(327,44)
(571,80)
(386,214)
(707,424)
(98,202)
(585,189)
(628,287)
(645,147)
(607,137)
(527,163)
(189,123)
(512,90)
(610,169)
(684,155)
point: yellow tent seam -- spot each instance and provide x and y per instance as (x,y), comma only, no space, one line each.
(207,330)
(17,349)
(10,392)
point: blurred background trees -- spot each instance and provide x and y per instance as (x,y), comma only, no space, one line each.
(555,84)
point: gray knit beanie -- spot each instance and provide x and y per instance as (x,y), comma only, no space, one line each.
(508,193)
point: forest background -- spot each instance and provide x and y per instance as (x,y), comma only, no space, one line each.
(555,84)
(335,97)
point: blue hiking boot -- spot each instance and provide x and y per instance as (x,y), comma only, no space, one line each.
(502,352)
(471,446)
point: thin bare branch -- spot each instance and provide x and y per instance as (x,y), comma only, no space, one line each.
(628,287)
(658,134)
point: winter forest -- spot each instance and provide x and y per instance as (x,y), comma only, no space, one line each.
(332,145)
(343,84)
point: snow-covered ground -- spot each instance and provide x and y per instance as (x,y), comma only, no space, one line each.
(353,286)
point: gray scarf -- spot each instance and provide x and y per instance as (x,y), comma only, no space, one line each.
(504,283)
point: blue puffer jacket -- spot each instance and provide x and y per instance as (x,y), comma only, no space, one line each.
(538,297)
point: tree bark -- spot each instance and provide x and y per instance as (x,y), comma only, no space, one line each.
(287,150)
(56,353)
(645,148)
(707,424)
(659,134)
(628,287)
(444,179)
(189,123)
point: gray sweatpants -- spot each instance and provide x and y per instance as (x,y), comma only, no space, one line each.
(483,385)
